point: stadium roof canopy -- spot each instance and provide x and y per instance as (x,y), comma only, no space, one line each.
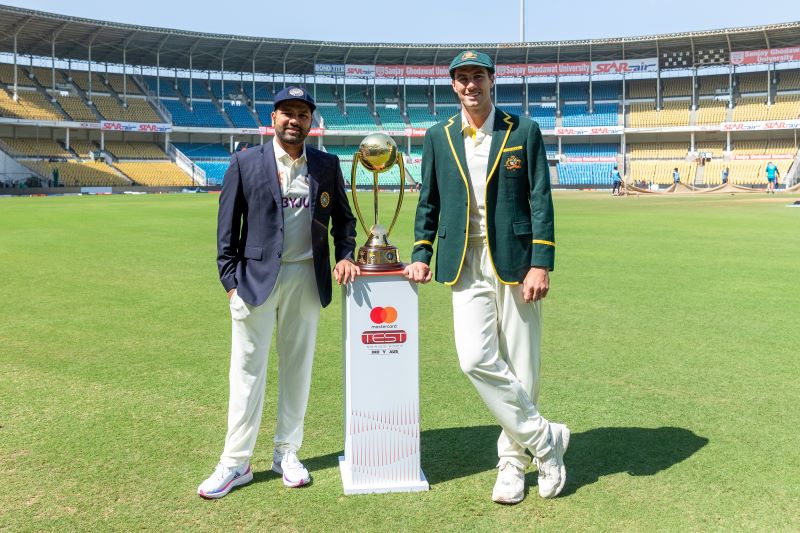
(75,38)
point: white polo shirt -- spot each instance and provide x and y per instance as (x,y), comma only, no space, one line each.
(293,176)
(476,148)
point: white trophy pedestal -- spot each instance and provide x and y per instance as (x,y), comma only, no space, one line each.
(380,319)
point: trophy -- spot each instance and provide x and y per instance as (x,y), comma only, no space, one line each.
(378,153)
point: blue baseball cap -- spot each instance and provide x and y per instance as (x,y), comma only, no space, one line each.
(295,93)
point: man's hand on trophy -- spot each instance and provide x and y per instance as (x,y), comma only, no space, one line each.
(418,272)
(345,271)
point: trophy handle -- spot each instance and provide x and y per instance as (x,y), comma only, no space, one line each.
(402,169)
(356,162)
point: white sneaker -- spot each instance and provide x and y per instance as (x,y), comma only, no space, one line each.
(289,466)
(552,472)
(223,480)
(510,485)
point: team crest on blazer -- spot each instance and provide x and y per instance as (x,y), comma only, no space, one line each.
(513,163)
(325,199)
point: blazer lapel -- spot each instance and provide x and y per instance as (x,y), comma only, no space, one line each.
(271,172)
(500,132)
(312,163)
(456,141)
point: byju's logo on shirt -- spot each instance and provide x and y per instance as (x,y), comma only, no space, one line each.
(295,203)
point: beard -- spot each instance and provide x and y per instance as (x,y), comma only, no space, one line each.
(291,137)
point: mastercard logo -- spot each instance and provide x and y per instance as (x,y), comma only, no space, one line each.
(383,315)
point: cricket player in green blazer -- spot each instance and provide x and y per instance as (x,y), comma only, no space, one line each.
(485,201)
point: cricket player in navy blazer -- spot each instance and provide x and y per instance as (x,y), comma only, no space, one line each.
(277,203)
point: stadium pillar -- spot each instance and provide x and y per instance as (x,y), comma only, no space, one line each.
(658,87)
(66,138)
(222,81)
(692,140)
(102,140)
(191,105)
(89,92)
(166,141)
(694,89)
(253,72)
(158,74)
(769,84)
(53,64)
(728,142)
(731,72)
(125,73)
(231,143)
(16,95)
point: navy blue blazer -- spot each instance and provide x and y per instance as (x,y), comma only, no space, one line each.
(250,222)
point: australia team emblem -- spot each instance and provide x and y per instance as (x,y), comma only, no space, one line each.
(325,199)
(513,163)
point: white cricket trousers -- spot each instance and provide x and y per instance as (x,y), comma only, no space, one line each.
(497,339)
(293,310)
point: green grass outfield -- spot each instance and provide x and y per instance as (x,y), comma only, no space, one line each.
(671,348)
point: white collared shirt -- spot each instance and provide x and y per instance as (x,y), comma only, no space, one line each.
(293,176)
(477,152)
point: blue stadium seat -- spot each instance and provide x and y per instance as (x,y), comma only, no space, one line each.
(240,116)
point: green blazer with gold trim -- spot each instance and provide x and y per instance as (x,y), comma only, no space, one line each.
(519,207)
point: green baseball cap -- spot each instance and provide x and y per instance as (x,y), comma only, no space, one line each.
(471,58)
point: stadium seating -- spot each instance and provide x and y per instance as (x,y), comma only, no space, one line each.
(416,94)
(81,79)
(552,150)
(509,93)
(541,91)
(715,148)
(135,150)
(592,174)
(641,88)
(116,83)
(325,93)
(167,86)
(7,76)
(660,172)
(574,92)
(589,150)
(263,92)
(357,118)
(750,108)
(215,171)
(673,113)
(711,112)
(391,119)
(155,174)
(544,116)
(203,150)
(205,114)
(355,94)
(513,109)
(23,147)
(138,110)
(83,148)
(264,113)
(788,80)
(658,150)
(578,115)
(445,95)
(76,108)
(752,82)
(240,115)
(742,172)
(386,94)
(199,88)
(711,85)
(606,90)
(447,111)
(420,117)
(786,106)
(676,86)
(30,105)
(77,174)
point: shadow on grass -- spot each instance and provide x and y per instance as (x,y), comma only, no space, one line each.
(452,453)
